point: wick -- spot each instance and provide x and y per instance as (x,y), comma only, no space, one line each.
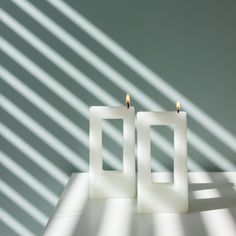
(178,111)
(127,105)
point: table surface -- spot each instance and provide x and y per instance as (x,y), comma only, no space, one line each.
(212,200)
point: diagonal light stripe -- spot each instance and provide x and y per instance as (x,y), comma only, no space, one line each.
(28,179)
(117,78)
(48,52)
(212,154)
(41,103)
(162,224)
(156,81)
(82,51)
(14,225)
(166,147)
(123,215)
(35,127)
(82,78)
(56,87)
(34,155)
(53,113)
(69,69)
(30,95)
(40,131)
(24,204)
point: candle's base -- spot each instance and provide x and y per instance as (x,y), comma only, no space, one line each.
(112,184)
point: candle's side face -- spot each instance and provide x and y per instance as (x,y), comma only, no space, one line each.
(143,148)
(112,183)
(162,197)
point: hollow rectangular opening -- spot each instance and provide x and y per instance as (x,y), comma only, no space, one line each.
(113,145)
(162,153)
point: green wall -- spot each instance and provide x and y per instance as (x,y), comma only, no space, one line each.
(187,53)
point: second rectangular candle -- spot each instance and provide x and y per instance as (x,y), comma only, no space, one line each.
(162,197)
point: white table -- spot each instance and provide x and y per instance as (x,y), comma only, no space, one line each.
(212,199)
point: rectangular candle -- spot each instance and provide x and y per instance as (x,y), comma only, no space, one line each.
(162,197)
(112,183)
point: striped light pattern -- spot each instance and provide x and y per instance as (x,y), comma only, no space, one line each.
(49,78)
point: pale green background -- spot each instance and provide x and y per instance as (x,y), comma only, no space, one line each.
(190,44)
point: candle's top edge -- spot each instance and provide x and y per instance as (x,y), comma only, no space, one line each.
(132,107)
(161,112)
(100,107)
(124,106)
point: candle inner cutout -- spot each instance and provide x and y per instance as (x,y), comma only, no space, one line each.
(114,146)
(161,159)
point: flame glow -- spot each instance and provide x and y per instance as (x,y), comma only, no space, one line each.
(178,106)
(127,99)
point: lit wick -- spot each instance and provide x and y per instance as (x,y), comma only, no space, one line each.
(127,100)
(178,106)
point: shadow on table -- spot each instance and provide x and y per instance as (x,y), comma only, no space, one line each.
(141,224)
(219,196)
(90,219)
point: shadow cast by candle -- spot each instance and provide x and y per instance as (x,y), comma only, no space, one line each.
(142,224)
(89,221)
(205,197)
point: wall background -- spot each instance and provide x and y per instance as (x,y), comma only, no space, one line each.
(45,97)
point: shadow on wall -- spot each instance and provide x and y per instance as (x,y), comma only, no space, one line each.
(45,98)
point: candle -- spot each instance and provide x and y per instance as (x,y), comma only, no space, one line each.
(162,197)
(106,183)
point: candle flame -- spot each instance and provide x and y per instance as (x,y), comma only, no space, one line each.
(127,100)
(178,106)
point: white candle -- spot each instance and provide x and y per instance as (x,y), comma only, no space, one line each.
(105,183)
(162,197)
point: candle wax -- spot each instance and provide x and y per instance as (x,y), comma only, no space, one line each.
(105,183)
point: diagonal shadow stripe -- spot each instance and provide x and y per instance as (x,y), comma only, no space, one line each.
(227,211)
(41,132)
(34,155)
(30,95)
(14,225)
(71,71)
(118,79)
(74,73)
(24,204)
(35,127)
(62,91)
(137,66)
(28,179)
(62,120)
